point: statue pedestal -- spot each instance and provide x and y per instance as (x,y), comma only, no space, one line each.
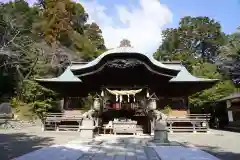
(87,129)
(160,136)
(160,133)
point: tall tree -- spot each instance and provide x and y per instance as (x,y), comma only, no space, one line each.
(229,59)
(94,34)
(17,54)
(200,36)
(198,43)
(125,43)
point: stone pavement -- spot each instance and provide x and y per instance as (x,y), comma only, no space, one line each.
(102,148)
(115,148)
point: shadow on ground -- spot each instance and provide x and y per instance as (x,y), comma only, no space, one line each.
(220,153)
(115,149)
(16,144)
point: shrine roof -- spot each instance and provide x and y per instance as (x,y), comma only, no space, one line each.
(184,75)
(66,76)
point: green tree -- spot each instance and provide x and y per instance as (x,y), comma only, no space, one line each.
(199,44)
(125,43)
(36,41)
(200,36)
(229,59)
(18,54)
(94,34)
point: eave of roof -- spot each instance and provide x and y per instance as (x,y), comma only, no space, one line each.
(66,76)
(184,75)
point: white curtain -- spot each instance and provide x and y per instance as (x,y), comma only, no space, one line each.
(124,92)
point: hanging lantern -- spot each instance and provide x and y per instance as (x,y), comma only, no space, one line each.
(128,98)
(134,98)
(96,104)
(102,93)
(116,98)
(152,105)
(147,94)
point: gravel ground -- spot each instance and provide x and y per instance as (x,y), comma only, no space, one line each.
(223,144)
(14,143)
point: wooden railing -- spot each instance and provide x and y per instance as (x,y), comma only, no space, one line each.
(53,121)
(198,123)
(58,117)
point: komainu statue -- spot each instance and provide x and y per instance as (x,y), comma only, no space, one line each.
(160,116)
(89,114)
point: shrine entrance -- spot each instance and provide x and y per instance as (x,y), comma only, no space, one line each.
(126,109)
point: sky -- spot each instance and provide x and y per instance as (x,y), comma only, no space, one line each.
(142,21)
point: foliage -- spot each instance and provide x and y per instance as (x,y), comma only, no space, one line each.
(32,91)
(41,107)
(40,40)
(125,43)
(63,23)
(167,110)
(200,36)
(229,60)
(220,90)
(34,100)
(206,52)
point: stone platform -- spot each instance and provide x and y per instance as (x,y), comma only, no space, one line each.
(116,148)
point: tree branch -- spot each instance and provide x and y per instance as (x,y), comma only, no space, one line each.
(5,45)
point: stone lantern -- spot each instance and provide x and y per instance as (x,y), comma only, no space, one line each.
(160,133)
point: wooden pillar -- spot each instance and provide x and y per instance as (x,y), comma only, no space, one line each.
(194,127)
(170,129)
(65,103)
(207,126)
(230,113)
(187,104)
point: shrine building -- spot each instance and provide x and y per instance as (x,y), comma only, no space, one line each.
(128,83)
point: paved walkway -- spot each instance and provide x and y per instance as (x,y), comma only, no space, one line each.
(116,148)
(103,148)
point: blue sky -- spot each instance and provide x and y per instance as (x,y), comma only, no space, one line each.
(224,11)
(142,21)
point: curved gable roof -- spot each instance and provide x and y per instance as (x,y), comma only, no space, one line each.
(123,50)
(117,51)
